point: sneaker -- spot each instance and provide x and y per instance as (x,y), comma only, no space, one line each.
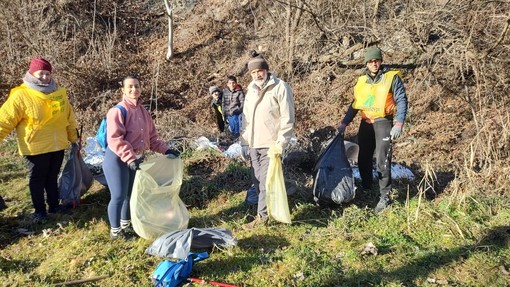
(129,231)
(259,220)
(382,204)
(116,235)
(38,218)
(60,209)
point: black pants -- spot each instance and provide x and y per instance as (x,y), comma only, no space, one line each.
(375,137)
(43,170)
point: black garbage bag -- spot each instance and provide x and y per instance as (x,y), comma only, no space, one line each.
(75,179)
(177,244)
(334,181)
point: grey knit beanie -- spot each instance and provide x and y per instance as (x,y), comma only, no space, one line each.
(257,62)
(213,89)
(373,53)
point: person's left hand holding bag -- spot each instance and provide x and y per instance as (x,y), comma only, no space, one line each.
(135,165)
(172,153)
(278,149)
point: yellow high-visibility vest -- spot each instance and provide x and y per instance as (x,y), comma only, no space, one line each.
(375,100)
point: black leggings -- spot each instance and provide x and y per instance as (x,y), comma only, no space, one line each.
(43,170)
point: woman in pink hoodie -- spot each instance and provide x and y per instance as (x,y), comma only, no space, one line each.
(128,139)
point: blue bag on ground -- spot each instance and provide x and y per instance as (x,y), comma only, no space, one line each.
(171,273)
(334,181)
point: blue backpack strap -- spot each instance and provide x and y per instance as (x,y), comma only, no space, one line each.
(122,110)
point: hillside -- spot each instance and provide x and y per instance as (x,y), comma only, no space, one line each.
(453,56)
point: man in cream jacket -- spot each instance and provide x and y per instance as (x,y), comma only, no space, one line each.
(267,120)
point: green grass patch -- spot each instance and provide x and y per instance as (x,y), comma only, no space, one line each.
(458,244)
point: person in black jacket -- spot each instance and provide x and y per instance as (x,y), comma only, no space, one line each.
(232,105)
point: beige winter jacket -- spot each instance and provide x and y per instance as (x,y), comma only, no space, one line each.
(268,114)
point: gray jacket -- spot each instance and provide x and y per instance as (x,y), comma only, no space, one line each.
(233,101)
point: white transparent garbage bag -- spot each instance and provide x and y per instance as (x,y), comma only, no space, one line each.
(156,207)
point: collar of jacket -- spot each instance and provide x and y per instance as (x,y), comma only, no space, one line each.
(374,79)
(271,81)
(132,103)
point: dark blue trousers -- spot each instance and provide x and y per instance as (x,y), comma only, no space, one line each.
(120,183)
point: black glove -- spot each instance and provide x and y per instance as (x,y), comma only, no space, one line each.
(76,145)
(135,165)
(173,152)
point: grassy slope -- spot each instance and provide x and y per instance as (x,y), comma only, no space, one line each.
(461,245)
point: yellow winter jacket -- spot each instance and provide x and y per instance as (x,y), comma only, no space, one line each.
(43,122)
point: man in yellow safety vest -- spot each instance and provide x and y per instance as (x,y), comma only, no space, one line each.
(381,98)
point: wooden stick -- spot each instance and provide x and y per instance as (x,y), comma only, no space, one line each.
(82,280)
(202,281)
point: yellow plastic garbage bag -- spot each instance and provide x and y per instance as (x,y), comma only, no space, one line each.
(156,207)
(276,195)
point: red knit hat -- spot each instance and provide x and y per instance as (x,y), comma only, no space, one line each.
(39,64)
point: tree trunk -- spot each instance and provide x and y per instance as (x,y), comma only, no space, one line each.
(170,51)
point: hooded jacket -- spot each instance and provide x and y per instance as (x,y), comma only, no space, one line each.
(131,136)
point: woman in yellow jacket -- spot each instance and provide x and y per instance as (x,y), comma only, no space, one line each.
(45,125)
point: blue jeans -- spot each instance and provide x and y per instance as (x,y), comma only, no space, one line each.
(233,123)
